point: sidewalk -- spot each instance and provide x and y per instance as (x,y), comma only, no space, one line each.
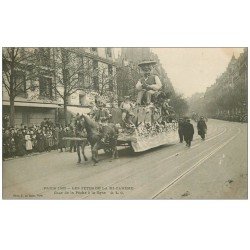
(38,153)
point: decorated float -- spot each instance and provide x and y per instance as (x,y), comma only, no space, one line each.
(147,131)
(143,124)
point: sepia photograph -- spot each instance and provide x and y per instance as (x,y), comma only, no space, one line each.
(129,123)
(124,125)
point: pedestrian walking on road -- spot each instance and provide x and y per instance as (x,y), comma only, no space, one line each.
(188,132)
(202,128)
(180,129)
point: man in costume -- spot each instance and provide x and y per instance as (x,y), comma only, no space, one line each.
(149,84)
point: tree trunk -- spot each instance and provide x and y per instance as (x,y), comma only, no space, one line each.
(65,113)
(12,112)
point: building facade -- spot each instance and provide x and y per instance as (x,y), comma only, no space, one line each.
(28,76)
(38,79)
(228,95)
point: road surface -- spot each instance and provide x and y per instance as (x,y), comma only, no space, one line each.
(212,169)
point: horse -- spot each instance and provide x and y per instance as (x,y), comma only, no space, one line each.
(101,136)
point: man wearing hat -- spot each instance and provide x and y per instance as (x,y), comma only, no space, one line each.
(202,128)
(102,114)
(188,132)
(149,83)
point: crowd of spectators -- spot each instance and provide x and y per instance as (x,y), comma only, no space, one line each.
(47,136)
(231,117)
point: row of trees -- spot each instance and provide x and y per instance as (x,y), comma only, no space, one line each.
(228,95)
(53,74)
(179,103)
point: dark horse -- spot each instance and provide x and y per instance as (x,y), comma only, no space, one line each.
(80,132)
(101,137)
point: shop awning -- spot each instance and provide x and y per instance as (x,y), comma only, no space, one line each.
(32,104)
(81,110)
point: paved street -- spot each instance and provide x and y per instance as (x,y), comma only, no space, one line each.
(211,169)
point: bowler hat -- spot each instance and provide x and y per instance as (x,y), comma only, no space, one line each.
(144,63)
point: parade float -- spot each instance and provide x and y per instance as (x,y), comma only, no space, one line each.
(143,124)
(150,123)
(149,130)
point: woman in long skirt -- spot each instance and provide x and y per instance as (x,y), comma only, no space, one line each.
(40,141)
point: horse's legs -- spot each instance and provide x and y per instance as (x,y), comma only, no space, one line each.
(115,153)
(94,150)
(83,152)
(78,153)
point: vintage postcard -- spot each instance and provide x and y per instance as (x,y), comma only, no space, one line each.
(124,123)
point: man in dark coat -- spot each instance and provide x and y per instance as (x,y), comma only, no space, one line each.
(61,142)
(180,129)
(188,132)
(202,128)
(20,143)
(71,133)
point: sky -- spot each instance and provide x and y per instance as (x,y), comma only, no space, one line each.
(192,70)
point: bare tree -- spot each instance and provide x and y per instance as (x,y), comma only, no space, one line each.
(70,71)
(127,77)
(104,82)
(18,68)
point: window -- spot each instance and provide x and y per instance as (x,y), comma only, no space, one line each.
(109,52)
(81,100)
(44,56)
(45,87)
(66,75)
(20,83)
(94,49)
(80,79)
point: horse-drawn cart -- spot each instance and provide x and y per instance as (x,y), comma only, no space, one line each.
(148,130)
